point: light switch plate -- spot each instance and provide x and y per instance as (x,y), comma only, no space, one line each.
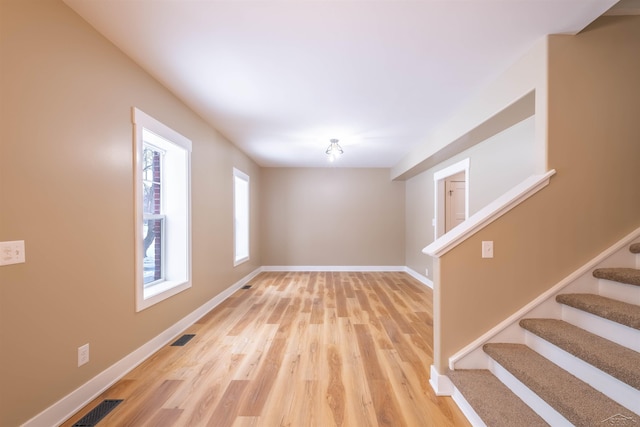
(487,249)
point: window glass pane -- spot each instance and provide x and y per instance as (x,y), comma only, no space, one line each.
(151,174)
(152,247)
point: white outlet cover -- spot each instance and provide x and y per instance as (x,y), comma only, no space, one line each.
(12,252)
(83,355)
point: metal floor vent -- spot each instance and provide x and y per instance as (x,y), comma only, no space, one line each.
(98,413)
(182,340)
(246,287)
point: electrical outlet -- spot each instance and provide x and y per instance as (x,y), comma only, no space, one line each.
(12,252)
(487,249)
(426,272)
(83,355)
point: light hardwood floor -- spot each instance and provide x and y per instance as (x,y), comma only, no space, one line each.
(297,349)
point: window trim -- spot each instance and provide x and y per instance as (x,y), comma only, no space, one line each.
(237,173)
(150,295)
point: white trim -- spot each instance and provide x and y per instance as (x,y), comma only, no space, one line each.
(60,411)
(488,214)
(542,298)
(178,148)
(613,331)
(441,384)
(419,277)
(466,409)
(606,384)
(531,399)
(338,268)
(439,178)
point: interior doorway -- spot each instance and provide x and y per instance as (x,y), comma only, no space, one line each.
(454,201)
(451,204)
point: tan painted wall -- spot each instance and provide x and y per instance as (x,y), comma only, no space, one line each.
(593,201)
(332,217)
(495,166)
(67,190)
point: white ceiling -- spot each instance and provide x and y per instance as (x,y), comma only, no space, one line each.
(280,78)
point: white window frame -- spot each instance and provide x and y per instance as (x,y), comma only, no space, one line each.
(176,186)
(241,220)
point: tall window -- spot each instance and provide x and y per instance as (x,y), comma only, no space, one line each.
(163,226)
(240,216)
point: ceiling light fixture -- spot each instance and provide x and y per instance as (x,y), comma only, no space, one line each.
(334,150)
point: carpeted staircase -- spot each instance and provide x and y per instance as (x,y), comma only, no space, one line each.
(583,370)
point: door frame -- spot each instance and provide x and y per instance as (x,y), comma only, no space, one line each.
(439,178)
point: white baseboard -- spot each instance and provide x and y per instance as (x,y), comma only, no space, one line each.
(419,277)
(441,384)
(77,399)
(467,410)
(340,268)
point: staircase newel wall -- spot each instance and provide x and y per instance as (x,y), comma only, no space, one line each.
(593,139)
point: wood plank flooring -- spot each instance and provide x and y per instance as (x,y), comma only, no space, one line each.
(296,349)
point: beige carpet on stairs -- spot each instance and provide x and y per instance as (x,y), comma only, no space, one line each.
(494,403)
(617,311)
(618,361)
(578,402)
(630,276)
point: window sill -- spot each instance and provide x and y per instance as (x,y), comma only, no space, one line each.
(163,290)
(240,261)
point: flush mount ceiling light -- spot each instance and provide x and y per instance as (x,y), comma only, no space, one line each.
(334,150)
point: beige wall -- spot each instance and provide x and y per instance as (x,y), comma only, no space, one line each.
(519,92)
(593,201)
(332,216)
(66,187)
(495,166)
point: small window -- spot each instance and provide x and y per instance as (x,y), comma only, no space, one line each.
(240,216)
(163,230)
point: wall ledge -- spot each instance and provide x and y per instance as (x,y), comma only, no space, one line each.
(488,214)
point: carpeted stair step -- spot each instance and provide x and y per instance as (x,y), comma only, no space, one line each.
(614,310)
(635,248)
(630,276)
(494,403)
(618,361)
(578,402)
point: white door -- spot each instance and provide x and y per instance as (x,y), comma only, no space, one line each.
(454,203)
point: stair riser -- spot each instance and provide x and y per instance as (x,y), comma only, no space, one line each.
(619,291)
(467,410)
(542,408)
(620,334)
(615,389)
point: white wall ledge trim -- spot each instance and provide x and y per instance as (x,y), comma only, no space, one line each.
(488,214)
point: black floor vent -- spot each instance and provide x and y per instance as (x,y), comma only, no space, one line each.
(246,287)
(183,340)
(98,413)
